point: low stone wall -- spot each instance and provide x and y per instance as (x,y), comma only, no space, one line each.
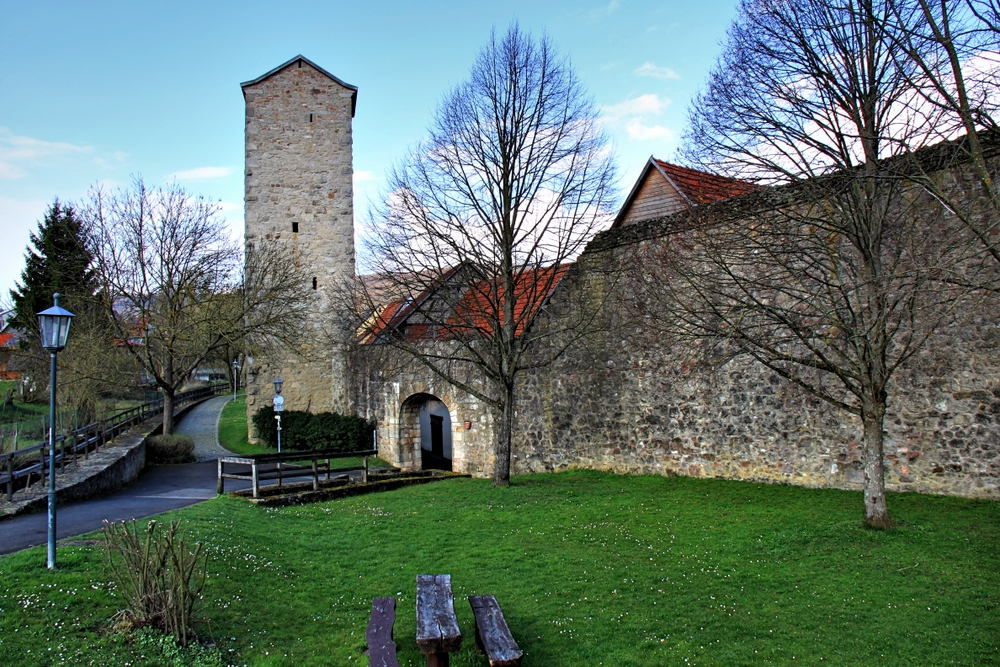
(108,469)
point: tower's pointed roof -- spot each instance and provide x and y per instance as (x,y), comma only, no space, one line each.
(301,58)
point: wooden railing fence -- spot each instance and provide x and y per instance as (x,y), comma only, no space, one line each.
(18,467)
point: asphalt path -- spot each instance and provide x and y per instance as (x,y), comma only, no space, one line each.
(159,488)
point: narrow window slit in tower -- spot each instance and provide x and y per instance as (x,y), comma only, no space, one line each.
(310,118)
(295,228)
(314,283)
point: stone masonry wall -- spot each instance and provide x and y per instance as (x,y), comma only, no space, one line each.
(625,403)
(393,398)
(299,169)
(629,401)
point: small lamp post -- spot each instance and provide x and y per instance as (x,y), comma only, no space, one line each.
(279,407)
(236,376)
(54,326)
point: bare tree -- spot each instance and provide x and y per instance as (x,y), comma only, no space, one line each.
(836,281)
(177,289)
(954,48)
(482,218)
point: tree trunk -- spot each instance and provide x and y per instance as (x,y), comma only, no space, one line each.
(168,411)
(502,437)
(876,513)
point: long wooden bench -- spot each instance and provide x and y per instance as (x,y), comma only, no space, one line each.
(381,646)
(492,634)
(437,627)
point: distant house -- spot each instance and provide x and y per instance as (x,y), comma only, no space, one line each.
(664,188)
(9,342)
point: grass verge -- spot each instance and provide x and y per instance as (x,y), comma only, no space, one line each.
(233,429)
(590,569)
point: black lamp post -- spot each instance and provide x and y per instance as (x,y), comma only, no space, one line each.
(54,325)
(279,406)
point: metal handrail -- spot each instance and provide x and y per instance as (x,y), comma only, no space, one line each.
(89,438)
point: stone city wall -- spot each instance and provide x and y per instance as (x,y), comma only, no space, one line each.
(626,404)
(393,399)
(629,401)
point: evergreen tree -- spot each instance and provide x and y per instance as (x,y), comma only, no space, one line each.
(60,262)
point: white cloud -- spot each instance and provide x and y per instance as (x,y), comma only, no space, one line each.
(18,152)
(18,218)
(651,70)
(112,161)
(636,119)
(363,176)
(233,214)
(645,105)
(201,173)
(638,130)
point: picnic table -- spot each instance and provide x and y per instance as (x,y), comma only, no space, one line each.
(437,628)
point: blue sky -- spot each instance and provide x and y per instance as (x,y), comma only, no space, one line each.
(95,92)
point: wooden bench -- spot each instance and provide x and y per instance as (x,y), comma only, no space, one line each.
(492,634)
(437,628)
(381,647)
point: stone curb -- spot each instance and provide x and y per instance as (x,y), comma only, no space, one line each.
(108,469)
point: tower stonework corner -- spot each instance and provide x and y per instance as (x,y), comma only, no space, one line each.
(299,194)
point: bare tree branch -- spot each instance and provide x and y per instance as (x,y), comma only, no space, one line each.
(483,218)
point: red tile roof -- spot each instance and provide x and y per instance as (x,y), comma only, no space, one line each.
(475,310)
(695,187)
(7,339)
(701,187)
(531,290)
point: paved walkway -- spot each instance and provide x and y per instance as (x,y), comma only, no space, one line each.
(158,488)
(202,425)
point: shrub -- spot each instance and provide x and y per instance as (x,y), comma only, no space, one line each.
(169,449)
(158,577)
(301,431)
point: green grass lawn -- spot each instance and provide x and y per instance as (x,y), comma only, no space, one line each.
(233,429)
(590,569)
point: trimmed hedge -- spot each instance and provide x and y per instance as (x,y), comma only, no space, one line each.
(301,431)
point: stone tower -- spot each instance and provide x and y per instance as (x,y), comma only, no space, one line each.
(299,193)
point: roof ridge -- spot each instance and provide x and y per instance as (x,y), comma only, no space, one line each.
(300,57)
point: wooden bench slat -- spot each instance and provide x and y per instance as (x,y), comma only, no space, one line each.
(492,634)
(381,647)
(437,626)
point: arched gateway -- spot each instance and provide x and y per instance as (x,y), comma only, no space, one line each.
(425,430)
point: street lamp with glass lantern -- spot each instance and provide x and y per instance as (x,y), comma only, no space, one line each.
(54,326)
(279,406)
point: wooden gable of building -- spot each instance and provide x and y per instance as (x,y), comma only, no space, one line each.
(664,188)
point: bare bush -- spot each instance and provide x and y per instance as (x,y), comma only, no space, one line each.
(158,576)
(169,449)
